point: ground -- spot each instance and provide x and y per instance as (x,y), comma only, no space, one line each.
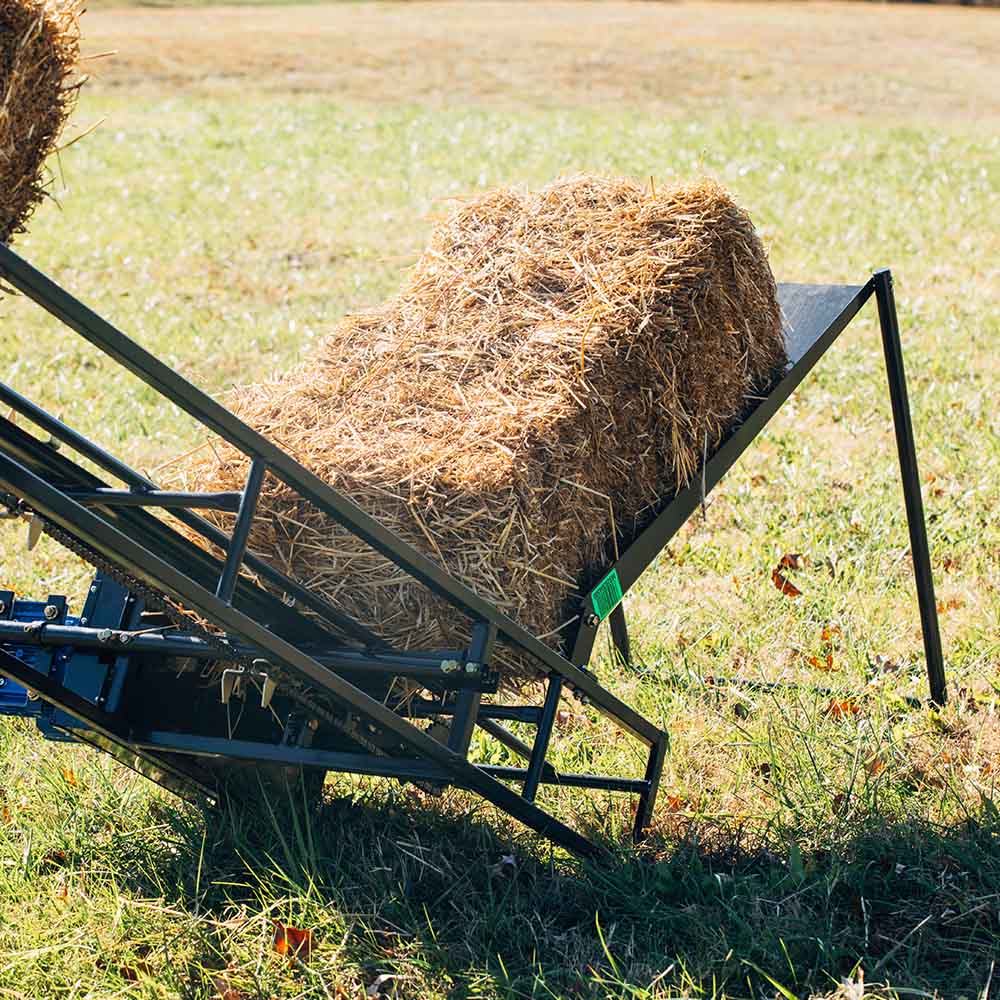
(256,173)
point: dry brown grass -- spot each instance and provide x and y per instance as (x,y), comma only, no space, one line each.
(808,60)
(39,52)
(558,363)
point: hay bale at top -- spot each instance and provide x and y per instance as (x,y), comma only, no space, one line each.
(552,372)
(39,80)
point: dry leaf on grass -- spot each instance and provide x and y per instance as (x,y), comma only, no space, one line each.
(842,708)
(784,584)
(292,941)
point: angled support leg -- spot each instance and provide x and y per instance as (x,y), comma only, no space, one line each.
(467,707)
(647,798)
(892,347)
(241,532)
(541,748)
(619,635)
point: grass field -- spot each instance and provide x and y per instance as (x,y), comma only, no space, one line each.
(258,173)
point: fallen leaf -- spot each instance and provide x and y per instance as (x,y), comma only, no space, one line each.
(875,766)
(292,941)
(825,664)
(783,584)
(950,565)
(675,803)
(842,708)
(69,776)
(792,560)
(830,632)
(951,604)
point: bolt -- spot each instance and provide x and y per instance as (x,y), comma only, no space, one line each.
(3,680)
(450,666)
(593,621)
(472,668)
(2,606)
(125,638)
(105,635)
(314,724)
(51,612)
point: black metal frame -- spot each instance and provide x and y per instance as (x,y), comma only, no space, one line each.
(116,525)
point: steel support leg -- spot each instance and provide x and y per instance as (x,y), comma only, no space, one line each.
(619,635)
(647,798)
(542,737)
(920,553)
(467,705)
(241,532)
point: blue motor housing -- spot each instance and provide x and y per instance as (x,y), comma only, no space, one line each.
(97,676)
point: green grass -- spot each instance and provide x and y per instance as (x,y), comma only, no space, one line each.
(791,848)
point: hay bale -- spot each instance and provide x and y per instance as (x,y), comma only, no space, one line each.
(553,371)
(39,81)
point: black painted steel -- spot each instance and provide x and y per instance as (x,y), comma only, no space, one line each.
(619,634)
(647,798)
(540,750)
(241,532)
(164,499)
(413,769)
(182,646)
(893,350)
(815,316)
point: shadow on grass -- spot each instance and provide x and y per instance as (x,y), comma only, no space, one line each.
(434,895)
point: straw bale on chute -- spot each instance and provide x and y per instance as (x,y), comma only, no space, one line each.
(555,368)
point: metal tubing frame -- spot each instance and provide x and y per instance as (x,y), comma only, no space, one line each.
(107,540)
(406,768)
(241,531)
(449,761)
(120,642)
(905,446)
(164,499)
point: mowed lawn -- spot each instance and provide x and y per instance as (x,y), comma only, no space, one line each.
(258,172)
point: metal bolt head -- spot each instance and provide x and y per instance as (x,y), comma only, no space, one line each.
(2,607)
(593,621)
(51,612)
(472,668)
(105,635)
(450,666)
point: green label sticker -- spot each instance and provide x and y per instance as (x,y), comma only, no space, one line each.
(607,595)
